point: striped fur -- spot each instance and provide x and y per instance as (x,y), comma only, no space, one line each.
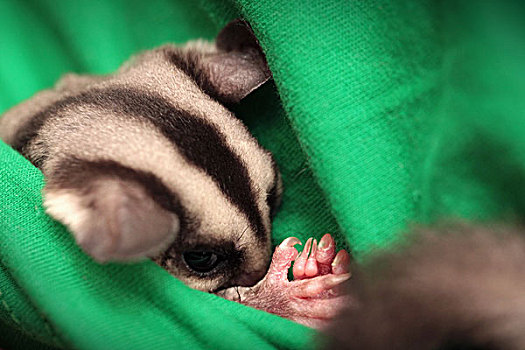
(148,161)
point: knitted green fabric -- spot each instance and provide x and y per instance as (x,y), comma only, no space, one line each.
(382,115)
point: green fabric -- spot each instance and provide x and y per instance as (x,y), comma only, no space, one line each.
(390,114)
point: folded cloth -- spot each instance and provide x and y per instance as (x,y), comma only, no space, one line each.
(381,115)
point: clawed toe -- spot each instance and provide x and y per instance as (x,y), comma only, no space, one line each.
(299,265)
(341,263)
(311,269)
(320,259)
(325,254)
(313,287)
(282,259)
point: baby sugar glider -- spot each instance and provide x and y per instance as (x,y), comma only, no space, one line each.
(150,162)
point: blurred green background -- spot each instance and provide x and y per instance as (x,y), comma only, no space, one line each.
(43,39)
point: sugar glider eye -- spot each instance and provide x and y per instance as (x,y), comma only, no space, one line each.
(202,261)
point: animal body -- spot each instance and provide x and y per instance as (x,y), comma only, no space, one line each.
(455,288)
(150,162)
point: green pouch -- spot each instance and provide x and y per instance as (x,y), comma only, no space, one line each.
(381,115)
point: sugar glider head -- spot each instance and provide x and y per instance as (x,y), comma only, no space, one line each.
(150,161)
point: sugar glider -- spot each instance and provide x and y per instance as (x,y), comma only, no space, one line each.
(150,162)
(463,288)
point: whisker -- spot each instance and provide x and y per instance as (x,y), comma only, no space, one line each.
(243,232)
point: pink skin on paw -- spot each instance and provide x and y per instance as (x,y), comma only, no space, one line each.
(318,260)
(312,298)
(299,265)
(310,269)
(341,263)
(325,254)
(284,254)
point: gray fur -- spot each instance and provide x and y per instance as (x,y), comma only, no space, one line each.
(458,289)
(156,195)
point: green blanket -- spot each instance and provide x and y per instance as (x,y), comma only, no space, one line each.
(382,115)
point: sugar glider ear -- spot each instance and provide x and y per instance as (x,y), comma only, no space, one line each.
(112,219)
(238,67)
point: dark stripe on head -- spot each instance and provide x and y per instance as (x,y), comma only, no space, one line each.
(189,62)
(199,142)
(77,174)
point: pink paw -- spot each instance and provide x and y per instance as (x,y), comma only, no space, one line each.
(312,298)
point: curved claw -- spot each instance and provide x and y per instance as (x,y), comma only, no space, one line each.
(307,246)
(290,242)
